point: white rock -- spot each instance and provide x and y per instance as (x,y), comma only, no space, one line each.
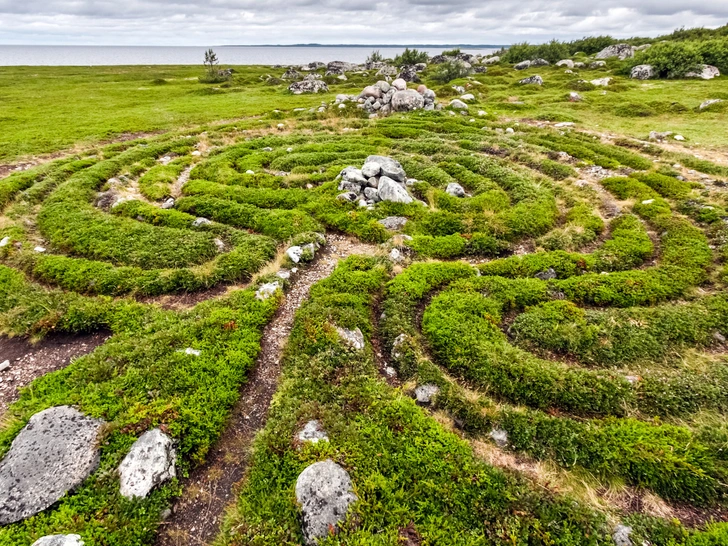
(249,172)
(499,436)
(312,432)
(168,204)
(201,222)
(219,245)
(192,352)
(389,190)
(601,82)
(39,249)
(467,97)
(395,255)
(564,124)
(5,242)
(510,130)
(455,189)
(568,63)
(648,201)
(325,493)
(707,72)
(283,274)
(295,253)
(702,106)
(354,339)
(149,463)
(679,137)
(399,84)
(621,536)
(196,153)
(457,104)
(425,393)
(267,290)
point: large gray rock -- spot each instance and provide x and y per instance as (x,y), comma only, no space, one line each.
(370,169)
(149,463)
(388,167)
(539,62)
(374,91)
(409,74)
(568,63)
(352,174)
(706,72)
(393,223)
(621,51)
(407,101)
(389,190)
(523,65)
(59,540)
(387,71)
(492,60)
(308,86)
(53,454)
(425,393)
(325,493)
(643,72)
(457,104)
(291,74)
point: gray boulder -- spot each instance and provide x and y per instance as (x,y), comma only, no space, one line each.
(371,169)
(621,51)
(597,64)
(399,84)
(388,166)
(59,540)
(568,63)
(266,291)
(149,463)
(295,252)
(539,62)
(291,74)
(308,86)
(387,71)
(455,189)
(373,91)
(523,65)
(389,190)
(706,72)
(499,436)
(372,194)
(346,196)
(325,493)
(407,101)
(643,72)
(492,60)
(533,80)
(352,174)
(53,454)
(394,223)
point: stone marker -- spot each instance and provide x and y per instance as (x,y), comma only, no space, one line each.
(149,463)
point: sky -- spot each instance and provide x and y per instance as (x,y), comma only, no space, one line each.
(228,22)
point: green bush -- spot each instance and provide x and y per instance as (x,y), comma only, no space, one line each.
(411,57)
(671,59)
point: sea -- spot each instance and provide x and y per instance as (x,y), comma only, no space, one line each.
(45,55)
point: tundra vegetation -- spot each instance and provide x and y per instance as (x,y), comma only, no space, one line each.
(544,353)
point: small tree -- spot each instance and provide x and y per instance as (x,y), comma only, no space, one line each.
(375,57)
(211,63)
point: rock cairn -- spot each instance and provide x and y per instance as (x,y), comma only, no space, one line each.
(383,98)
(380,179)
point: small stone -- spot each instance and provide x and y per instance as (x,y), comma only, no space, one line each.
(5,242)
(399,84)
(601,82)
(267,290)
(325,492)
(575,97)
(4,365)
(679,138)
(457,104)
(284,274)
(192,352)
(395,255)
(425,393)
(168,204)
(390,372)
(312,432)
(467,97)
(198,222)
(371,169)
(354,339)
(621,535)
(389,190)
(547,275)
(532,80)
(720,338)
(39,249)
(648,201)
(149,463)
(249,172)
(196,153)
(510,130)
(295,253)
(455,189)
(499,436)
(709,102)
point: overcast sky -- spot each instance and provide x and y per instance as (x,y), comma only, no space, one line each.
(219,22)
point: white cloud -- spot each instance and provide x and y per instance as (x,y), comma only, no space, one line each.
(183,22)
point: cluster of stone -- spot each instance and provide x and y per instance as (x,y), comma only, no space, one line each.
(380,179)
(383,98)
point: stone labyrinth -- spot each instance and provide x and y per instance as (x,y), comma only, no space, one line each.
(555,295)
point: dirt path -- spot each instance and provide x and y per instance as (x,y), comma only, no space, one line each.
(196,518)
(28,361)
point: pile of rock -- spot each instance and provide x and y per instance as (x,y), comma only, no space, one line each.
(312,83)
(380,179)
(382,99)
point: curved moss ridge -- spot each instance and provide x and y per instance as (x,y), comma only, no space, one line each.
(407,471)
(140,378)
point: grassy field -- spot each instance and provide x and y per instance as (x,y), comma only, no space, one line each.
(47,109)
(571,310)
